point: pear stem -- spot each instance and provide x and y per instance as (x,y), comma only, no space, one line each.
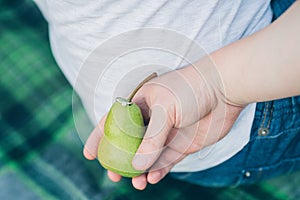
(148,78)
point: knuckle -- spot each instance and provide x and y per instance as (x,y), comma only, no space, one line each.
(194,147)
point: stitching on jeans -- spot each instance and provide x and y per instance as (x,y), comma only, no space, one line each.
(271,115)
(280,134)
(267,118)
(265,114)
(272,166)
(260,170)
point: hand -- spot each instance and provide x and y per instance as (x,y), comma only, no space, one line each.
(186,112)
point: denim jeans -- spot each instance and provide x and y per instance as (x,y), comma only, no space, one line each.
(279,6)
(274,146)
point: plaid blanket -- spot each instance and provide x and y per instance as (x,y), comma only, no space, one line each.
(40,151)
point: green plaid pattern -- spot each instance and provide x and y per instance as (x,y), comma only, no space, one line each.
(40,151)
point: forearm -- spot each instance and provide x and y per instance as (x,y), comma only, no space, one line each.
(265,65)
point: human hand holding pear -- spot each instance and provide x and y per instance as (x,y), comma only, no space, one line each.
(186,114)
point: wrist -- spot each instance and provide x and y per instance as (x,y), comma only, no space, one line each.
(205,82)
(226,79)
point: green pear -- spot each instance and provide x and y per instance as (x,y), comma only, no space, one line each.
(123,133)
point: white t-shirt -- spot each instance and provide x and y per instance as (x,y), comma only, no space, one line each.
(93,44)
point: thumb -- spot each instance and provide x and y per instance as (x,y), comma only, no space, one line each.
(154,139)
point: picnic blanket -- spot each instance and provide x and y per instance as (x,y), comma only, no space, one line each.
(40,149)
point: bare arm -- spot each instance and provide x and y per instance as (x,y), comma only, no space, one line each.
(265,65)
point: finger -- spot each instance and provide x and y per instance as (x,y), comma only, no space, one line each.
(154,139)
(164,164)
(188,139)
(113,176)
(207,131)
(91,146)
(180,143)
(140,182)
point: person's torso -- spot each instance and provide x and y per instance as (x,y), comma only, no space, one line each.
(80,28)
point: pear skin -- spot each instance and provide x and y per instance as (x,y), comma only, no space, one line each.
(123,133)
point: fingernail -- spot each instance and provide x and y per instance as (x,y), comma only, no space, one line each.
(140,162)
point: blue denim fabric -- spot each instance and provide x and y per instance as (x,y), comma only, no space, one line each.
(274,146)
(279,6)
(273,149)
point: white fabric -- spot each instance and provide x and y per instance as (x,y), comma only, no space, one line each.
(78,27)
